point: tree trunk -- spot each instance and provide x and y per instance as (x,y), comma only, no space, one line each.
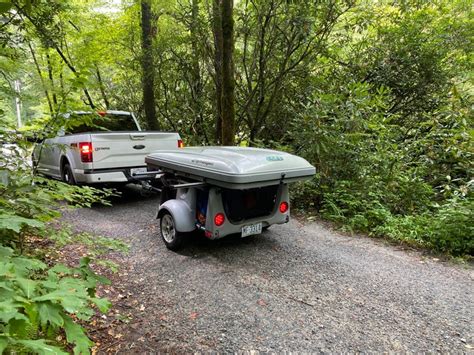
(51,78)
(197,82)
(102,87)
(40,74)
(147,66)
(218,48)
(228,81)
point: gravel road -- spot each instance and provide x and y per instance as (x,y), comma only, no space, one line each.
(297,287)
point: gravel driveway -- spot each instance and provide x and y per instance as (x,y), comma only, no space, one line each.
(297,287)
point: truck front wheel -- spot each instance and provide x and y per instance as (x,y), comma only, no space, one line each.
(172,238)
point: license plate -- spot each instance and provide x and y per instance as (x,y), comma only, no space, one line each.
(251,229)
(138,171)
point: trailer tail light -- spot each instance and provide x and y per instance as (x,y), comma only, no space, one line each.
(283,207)
(180,143)
(85,149)
(219,219)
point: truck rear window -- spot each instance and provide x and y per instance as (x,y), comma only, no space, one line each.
(81,123)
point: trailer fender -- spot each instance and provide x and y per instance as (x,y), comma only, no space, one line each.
(182,214)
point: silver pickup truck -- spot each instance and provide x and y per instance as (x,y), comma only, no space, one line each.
(100,147)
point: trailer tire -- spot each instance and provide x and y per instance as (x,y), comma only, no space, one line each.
(171,237)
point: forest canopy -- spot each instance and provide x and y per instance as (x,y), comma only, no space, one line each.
(376,94)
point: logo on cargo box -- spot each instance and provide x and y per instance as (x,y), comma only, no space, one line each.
(274,158)
(203,162)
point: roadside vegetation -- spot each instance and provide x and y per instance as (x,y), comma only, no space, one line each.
(42,301)
(377,95)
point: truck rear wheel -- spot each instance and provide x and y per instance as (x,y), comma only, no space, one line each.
(171,237)
(67,175)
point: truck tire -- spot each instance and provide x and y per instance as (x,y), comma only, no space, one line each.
(67,175)
(171,237)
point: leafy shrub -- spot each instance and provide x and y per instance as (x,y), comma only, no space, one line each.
(38,301)
(375,176)
(452,229)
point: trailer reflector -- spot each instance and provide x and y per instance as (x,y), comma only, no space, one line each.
(219,219)
(283,207)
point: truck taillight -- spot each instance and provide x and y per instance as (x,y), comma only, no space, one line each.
(85,149)
(180,143)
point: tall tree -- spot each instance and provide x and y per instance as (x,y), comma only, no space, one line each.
(218,48)
(147,66)
(197,103)
(223,28)
(228,81)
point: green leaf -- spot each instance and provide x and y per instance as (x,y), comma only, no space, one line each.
(31,310)
(16,223)
(9,309)
(60,269)
(52,313)
(28,286)
(7,315)
(4,7)
(5,252)
(75,334)
(41,347)
(85,261)
(102,303)
(23,266)
(68,299)
(3,343)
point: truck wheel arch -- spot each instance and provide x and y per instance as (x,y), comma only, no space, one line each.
(62,162)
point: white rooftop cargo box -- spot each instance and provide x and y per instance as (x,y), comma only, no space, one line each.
(232,167)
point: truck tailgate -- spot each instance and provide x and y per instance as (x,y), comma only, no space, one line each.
(128,149)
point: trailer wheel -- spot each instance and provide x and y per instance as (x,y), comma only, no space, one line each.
(172,238)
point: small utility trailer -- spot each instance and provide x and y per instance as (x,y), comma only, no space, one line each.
(223,190)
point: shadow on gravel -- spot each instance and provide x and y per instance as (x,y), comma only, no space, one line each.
(131,194)
(197,245)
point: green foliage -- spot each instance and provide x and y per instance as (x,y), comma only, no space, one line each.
(38,302)
(393,146)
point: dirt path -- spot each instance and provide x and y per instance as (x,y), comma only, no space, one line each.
(296,287)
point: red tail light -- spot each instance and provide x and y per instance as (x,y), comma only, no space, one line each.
(180,143)
(85,149)
(101,113)
(284,207)
(219,219)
